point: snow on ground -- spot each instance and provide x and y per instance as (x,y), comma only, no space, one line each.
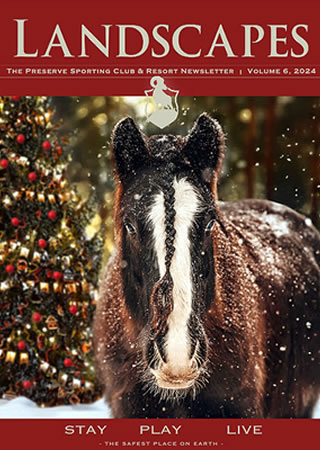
(23,408)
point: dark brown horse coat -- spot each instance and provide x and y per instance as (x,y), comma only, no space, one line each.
(262,325)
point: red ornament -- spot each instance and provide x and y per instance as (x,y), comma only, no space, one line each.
(52,215)
(10,268)
(16,98)
(57,275)
(67,362)
(27,384)
(42,243)
(4,163)
(20,138)
(15,221)
(49,273)
(32,176)
(21,345)
(73,309)
(46,145)
(36,317)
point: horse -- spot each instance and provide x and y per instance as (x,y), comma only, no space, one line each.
(206,309)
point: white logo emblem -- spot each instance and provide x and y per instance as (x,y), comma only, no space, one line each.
(162,106)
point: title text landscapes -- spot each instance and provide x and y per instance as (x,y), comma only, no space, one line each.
(282,41)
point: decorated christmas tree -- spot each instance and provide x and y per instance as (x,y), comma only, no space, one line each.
(48,265)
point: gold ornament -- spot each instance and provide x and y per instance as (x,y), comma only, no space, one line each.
(51,198)
(51,323)
(53,242)
(39,119)
(60,310)
(11,356)
(64,197)
(44,366)
(36,257)
(66,260)
(24,252)
(5,285)
(14,245)
(85,286)
(16,195)
(76,383)
(23,161)
(57,287)
(62,377)
(74,399)
(41,198)
(72,288)
(86,347)
(22,265)
(9,395)
(62,392)
(2,354)
(12,133)
(30,195)
(2,258)
(84,311)
(7,201)
(24,358)
(41,341)
(47,115)
(57,177)
(44,287)
(88,385)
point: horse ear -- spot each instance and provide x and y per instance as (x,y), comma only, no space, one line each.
(129,148)
(204,147)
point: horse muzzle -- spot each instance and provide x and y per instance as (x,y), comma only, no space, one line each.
(168,379)
(177,374)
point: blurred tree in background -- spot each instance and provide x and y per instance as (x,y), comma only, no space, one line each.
(273,146)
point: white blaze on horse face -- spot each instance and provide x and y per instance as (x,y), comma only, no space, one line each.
(187,204)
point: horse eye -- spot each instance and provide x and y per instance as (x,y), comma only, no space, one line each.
(210,225)
(129,227)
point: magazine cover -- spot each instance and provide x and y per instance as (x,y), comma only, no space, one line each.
(160,224)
